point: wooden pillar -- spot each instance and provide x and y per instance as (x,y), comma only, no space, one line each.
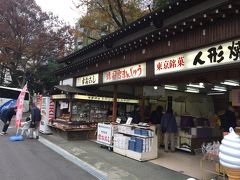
(141,106)
(114,109)
(70,106)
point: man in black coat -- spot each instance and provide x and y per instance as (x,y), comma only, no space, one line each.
(228,119)
(6,117)
(35,120)
(135,115)
(155,118)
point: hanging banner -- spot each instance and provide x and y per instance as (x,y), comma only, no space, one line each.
(20,102)
(51,110)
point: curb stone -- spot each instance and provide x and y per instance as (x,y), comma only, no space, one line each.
(87,167)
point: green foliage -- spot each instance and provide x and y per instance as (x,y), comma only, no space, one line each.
(44,79)
(159,3)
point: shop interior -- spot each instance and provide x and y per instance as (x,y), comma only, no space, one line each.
(196,107)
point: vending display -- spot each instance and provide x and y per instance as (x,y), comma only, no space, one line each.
(47,112)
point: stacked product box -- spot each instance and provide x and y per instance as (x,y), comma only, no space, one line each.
(138,131)
(136,141)
(143,132)
(125,129)
(140,144)
(121,141)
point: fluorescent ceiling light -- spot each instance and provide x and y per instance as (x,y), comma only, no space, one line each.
(215,93)
(230,83)
(219,88)
(171,87)
(199,85)
(192,90)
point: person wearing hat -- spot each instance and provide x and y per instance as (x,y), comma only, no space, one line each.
(6,117)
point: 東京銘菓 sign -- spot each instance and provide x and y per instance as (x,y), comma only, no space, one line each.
(215,55)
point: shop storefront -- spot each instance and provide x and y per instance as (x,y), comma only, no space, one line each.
(77,112)
(186,55)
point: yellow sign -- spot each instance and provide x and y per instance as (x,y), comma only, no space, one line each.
(106,99)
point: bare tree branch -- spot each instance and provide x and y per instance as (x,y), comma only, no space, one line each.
(113,15)
(123,17)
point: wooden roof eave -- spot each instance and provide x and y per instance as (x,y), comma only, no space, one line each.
(168,24)
(123,32)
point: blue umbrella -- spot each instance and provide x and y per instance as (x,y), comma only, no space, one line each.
(8,104)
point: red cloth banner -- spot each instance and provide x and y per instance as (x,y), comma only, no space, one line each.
(20,103)
(51,110)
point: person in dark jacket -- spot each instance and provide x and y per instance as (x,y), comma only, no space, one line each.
(169,128)
(6,117)
(228,119)
(35,121)
(135,115)
(155,118)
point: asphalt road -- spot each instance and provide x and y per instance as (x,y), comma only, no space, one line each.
(30,160)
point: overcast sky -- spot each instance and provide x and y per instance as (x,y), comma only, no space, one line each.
(62,8)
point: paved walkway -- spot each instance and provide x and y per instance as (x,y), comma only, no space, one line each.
(105,164)
(31,160)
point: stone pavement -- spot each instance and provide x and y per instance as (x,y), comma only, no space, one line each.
(104,164)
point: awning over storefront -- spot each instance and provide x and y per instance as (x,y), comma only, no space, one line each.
(69,89)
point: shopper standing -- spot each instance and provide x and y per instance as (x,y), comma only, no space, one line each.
(35,121)
(135,115)
(169,128)
(155,118)
(6,117)
(228,119)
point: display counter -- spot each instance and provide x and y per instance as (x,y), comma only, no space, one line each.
(78,120)
(192,139)
(73,130)
(136,142)
(78,112)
